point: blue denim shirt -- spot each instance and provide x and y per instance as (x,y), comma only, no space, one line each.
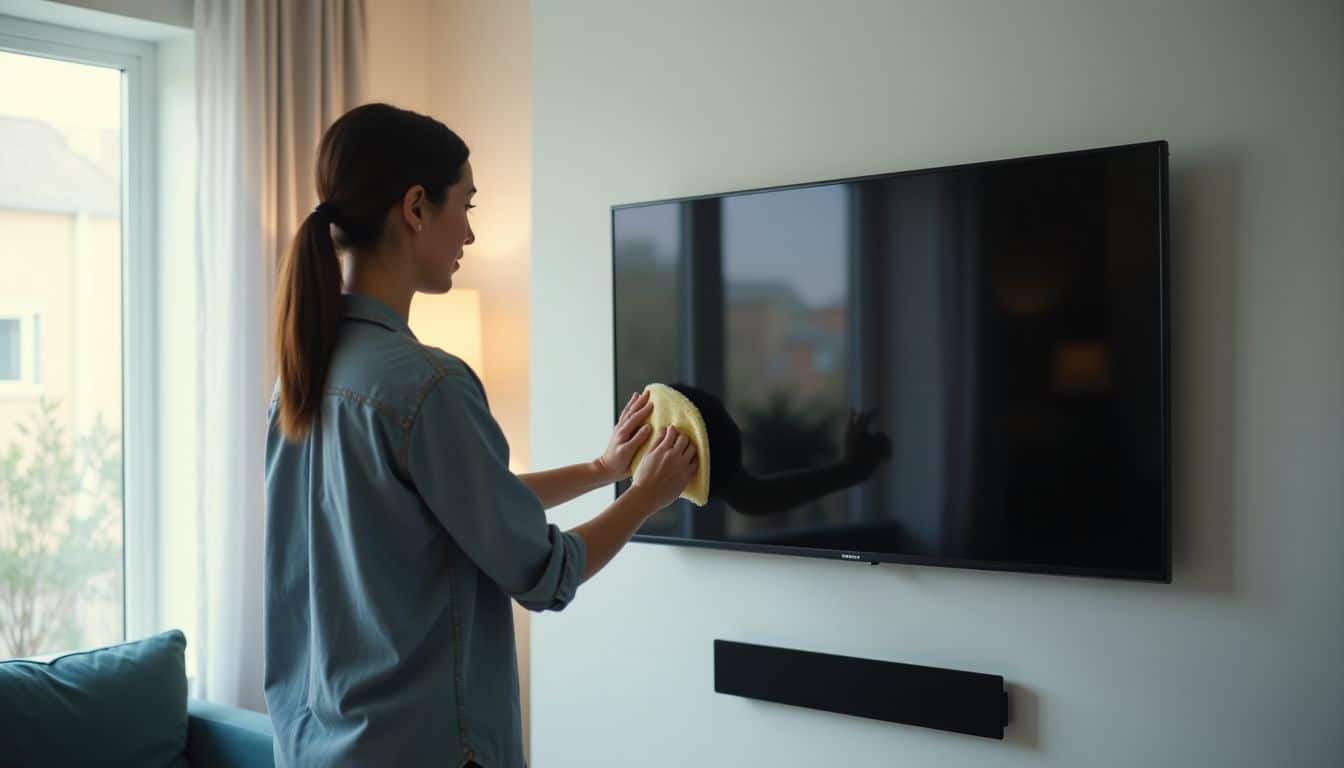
(395,536)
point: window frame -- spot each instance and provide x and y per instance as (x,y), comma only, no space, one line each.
(136,59)
(29,383)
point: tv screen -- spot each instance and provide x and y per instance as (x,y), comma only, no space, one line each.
(961,366)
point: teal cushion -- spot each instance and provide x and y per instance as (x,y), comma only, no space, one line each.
(121,705)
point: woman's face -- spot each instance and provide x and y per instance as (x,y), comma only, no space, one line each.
(445,231)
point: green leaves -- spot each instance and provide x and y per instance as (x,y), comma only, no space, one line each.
(60,529)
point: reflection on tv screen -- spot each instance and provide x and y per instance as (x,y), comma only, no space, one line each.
(963,366)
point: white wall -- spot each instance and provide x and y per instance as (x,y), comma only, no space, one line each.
(1239,662)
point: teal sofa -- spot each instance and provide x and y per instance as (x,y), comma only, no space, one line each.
(124,705)
(227,737)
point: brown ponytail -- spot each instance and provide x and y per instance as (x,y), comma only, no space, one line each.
(308,311)
(367,160)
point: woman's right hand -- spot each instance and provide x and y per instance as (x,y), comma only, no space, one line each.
(667,468)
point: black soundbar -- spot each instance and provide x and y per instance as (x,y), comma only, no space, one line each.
(946,699)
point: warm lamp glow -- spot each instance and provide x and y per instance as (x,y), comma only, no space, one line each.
(1081,367)
(452,322)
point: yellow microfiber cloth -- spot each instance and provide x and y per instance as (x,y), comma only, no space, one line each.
(670,407)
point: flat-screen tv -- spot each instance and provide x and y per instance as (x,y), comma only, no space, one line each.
(963,366)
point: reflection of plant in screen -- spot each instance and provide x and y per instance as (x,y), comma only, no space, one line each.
(783,435)
(60,524)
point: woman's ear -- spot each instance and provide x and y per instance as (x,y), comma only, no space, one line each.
(412,207)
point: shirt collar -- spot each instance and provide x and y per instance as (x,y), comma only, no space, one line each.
(358,306)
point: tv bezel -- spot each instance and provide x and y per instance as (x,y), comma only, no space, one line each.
(1162,575)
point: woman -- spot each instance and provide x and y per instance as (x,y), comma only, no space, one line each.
(395,533)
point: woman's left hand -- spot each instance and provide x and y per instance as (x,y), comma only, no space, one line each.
(631,432)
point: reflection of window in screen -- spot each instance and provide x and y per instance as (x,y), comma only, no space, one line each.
(786,281)
(647,247)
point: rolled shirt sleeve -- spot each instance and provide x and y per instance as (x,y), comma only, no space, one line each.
(458,459)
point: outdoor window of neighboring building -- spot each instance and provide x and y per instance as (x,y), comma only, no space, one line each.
(77,349)
(20,351)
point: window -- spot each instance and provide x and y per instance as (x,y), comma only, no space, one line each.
(20,352)
(11,355)
(77,427)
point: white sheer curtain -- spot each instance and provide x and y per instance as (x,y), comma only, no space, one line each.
(271,76)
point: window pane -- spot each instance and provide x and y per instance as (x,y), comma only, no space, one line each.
(60,435)
(9,349)
(785,342)
(648,246)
